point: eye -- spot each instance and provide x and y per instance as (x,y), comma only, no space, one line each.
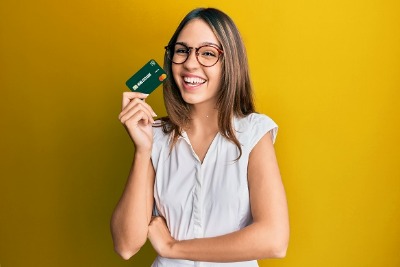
(181,49)
(208,52)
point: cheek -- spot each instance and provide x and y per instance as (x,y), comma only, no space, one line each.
(175,72)
(217,77)
(173,68)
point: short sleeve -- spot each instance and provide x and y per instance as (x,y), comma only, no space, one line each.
(260,125)
(158,133)
(159,141)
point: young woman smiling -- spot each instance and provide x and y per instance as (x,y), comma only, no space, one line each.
(209,169)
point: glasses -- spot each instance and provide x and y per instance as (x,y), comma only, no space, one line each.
(207,55)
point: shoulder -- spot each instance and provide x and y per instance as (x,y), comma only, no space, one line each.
(160,142)
(257,119)
(253,127)
(256,123)
(159,136)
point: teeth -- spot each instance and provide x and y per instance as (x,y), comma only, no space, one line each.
(193,80)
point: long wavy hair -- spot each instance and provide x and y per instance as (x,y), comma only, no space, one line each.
(235,98)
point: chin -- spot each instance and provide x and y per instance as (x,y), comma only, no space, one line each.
(190,100)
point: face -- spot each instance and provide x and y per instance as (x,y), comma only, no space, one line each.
(197,84)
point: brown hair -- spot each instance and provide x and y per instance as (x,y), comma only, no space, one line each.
(235,95)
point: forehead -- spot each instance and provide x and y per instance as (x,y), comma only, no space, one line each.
(197,32)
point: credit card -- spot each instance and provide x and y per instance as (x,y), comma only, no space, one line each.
(147,79)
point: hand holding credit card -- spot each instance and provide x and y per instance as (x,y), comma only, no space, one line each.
(147,79)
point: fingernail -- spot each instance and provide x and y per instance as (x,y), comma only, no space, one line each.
(154,114)
(146,95)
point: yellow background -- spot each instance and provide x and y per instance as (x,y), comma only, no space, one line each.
(328,72)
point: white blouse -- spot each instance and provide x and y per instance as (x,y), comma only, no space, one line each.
(206,199)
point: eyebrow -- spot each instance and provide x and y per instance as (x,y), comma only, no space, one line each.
(204,43)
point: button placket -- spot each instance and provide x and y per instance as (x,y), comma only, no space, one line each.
(198,204)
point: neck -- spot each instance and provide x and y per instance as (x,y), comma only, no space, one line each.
(205,119)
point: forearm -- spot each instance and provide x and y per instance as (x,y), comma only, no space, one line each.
(253,242)
(129,223)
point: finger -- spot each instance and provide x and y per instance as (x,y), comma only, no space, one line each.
(136,117)
(132,113)
(134,120)
(137,102)
(128,96)
(129,111)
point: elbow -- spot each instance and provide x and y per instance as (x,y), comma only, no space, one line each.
(126,253)
(276,249)
(280,242)
(273,252)
(127,248)
(279,252)
(280,246)
(127,245)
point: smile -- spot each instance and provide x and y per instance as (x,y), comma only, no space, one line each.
(193,81)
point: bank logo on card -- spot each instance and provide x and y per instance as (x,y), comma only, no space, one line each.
(147,79)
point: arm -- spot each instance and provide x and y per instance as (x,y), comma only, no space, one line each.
(266,237)
(131,217)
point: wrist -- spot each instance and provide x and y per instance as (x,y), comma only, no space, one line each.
(173,250)
(143,153)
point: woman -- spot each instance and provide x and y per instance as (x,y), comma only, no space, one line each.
(209,168)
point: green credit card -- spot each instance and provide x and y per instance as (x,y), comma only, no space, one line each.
(147,79)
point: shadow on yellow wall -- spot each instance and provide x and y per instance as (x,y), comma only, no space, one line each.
(326,71)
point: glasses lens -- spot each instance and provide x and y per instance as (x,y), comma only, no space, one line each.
(208,55)
(179,53)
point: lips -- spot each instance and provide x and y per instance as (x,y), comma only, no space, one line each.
(193,81)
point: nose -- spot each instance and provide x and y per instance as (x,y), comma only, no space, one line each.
(191,62)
